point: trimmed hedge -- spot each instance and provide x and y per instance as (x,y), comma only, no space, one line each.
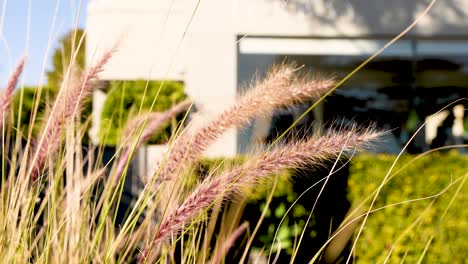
(421,178)
(426,176)
(124,100)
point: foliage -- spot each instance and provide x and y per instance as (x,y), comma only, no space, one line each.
(27,107)
(124,100)
(465,125)
(424,177)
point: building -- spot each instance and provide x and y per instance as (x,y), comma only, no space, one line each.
(216,46)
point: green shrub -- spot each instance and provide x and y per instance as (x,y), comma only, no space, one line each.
(425,177)
(27,105)
(124,100)
(465,125)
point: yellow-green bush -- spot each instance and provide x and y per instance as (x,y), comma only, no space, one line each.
(423,177)
(413,226)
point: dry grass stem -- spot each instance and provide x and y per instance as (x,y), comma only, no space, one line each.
(227,245)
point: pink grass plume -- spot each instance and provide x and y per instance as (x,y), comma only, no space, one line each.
(67,104)
(154,121)
(293,155)
(6,98)
(283,86)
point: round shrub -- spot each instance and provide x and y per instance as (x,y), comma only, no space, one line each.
(126,99)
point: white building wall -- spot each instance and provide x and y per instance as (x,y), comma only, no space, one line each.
(150,45)
(196,41)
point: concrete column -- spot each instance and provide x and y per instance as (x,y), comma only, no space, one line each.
(99,97)
(212,81)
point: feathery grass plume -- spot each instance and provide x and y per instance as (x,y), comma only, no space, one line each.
(293,155)
(154,121)
(227,245)
(282,87)
(5,99)
(67,103)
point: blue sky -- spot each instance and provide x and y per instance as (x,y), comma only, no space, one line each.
(14,32)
